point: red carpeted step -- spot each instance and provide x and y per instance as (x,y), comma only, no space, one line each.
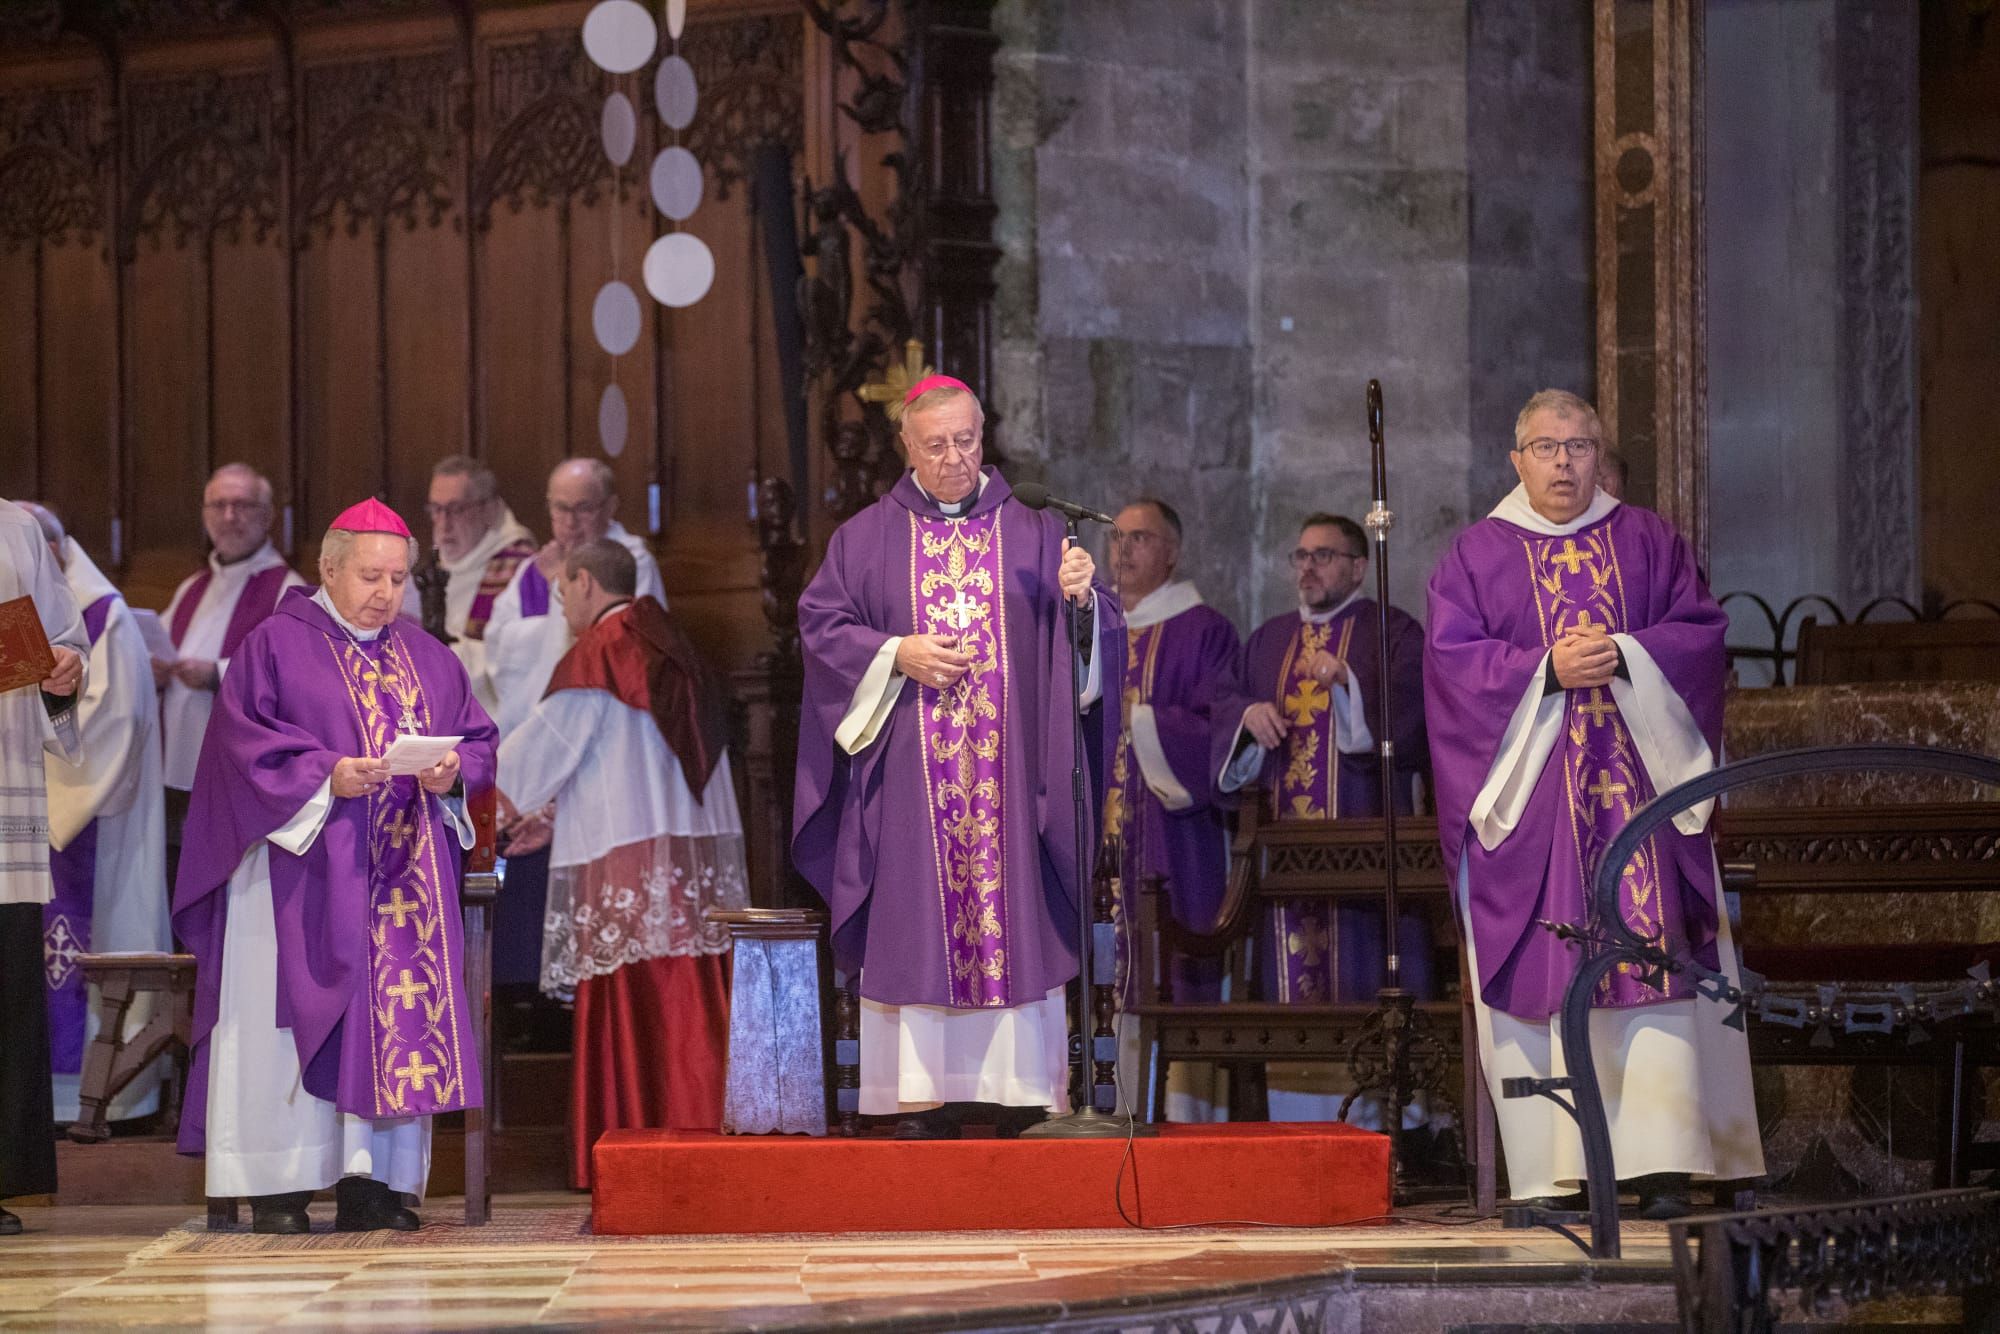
(677,1182)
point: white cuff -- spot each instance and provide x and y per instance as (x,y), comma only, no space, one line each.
(455,815)
(873,698)
(1525,748)
(298,833)
(1670,744)
(1350,719)
(1246,760)
(1093,679)
(1153,766)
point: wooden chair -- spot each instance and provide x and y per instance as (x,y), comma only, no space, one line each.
(115,1058)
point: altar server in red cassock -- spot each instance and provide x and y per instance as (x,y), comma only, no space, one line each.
(628,742)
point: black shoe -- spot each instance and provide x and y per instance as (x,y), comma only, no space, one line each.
(1009,1122)
(938,1123)
(363,1204)
(1663,1196)
(281,1215)
(10,1224)
(1575,1203)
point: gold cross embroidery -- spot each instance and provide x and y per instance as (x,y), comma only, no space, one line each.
(399,832)
(1604,789)
(1583,622)
(408,991)
(1598,707)
(398,907)
(1570,556)
(417,1071)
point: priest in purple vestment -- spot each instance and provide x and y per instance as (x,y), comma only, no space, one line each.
(933,808)
(1159,800)
(1574,669)
(318,892)
(1301,723)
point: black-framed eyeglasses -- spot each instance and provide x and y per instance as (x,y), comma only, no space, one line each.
(1322,556)
(1544,447)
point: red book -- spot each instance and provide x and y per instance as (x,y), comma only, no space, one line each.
(25,657)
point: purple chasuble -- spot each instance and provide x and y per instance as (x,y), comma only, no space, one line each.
(66,916)
(1176,667)
(370,956)
(946,848)
(1498,599)
(1318,950)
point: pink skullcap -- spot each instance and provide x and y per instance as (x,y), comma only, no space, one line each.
(371,516)
(930,382)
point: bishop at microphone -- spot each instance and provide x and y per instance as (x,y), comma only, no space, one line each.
(938,719)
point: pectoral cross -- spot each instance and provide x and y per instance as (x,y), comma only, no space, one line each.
(417,1071)
(399,831)
(960,612)
(1598,707)
(1604,789)
(398,907)
(408,990)
(1571,556)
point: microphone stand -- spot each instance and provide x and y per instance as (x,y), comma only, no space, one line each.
(1084,1122)
(1380,1053)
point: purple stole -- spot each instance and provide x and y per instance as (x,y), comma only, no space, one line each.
(66,916)
(258,599)
(417,1042)
(534,591)
(493,582)
(955,588)
(1299,943)
(1603,781)
(1125,793)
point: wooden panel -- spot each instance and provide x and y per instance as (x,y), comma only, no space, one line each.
(79,370)
(343,434)
(167,330)
(252,360)
(427,389)
(19,474)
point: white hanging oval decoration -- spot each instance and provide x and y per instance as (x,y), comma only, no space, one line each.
(619,129)
(674,92)
(612,420)
(615,318)
(677,17)
(619,36)
(677,183)
(679,269)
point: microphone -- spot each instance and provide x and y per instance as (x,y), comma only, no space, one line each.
(1036,497)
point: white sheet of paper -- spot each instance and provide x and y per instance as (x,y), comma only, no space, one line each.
(153,630)
(409,754)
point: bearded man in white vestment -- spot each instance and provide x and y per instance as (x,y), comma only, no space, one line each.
(32,722)
(107,827)
(480,544)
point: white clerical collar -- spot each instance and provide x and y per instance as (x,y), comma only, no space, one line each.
(1311,617)
(956,508)
(260,559)
(1163,604)
(509,529)
(1515,509)
(613,610)
(359,635)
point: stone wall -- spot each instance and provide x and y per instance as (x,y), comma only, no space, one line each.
(1222,217)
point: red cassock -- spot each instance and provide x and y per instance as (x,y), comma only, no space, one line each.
(626,929)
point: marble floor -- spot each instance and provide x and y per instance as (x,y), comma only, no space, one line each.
(99,1267)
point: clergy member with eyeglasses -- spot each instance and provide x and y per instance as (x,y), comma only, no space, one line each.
(1574,671)
(1301,722)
